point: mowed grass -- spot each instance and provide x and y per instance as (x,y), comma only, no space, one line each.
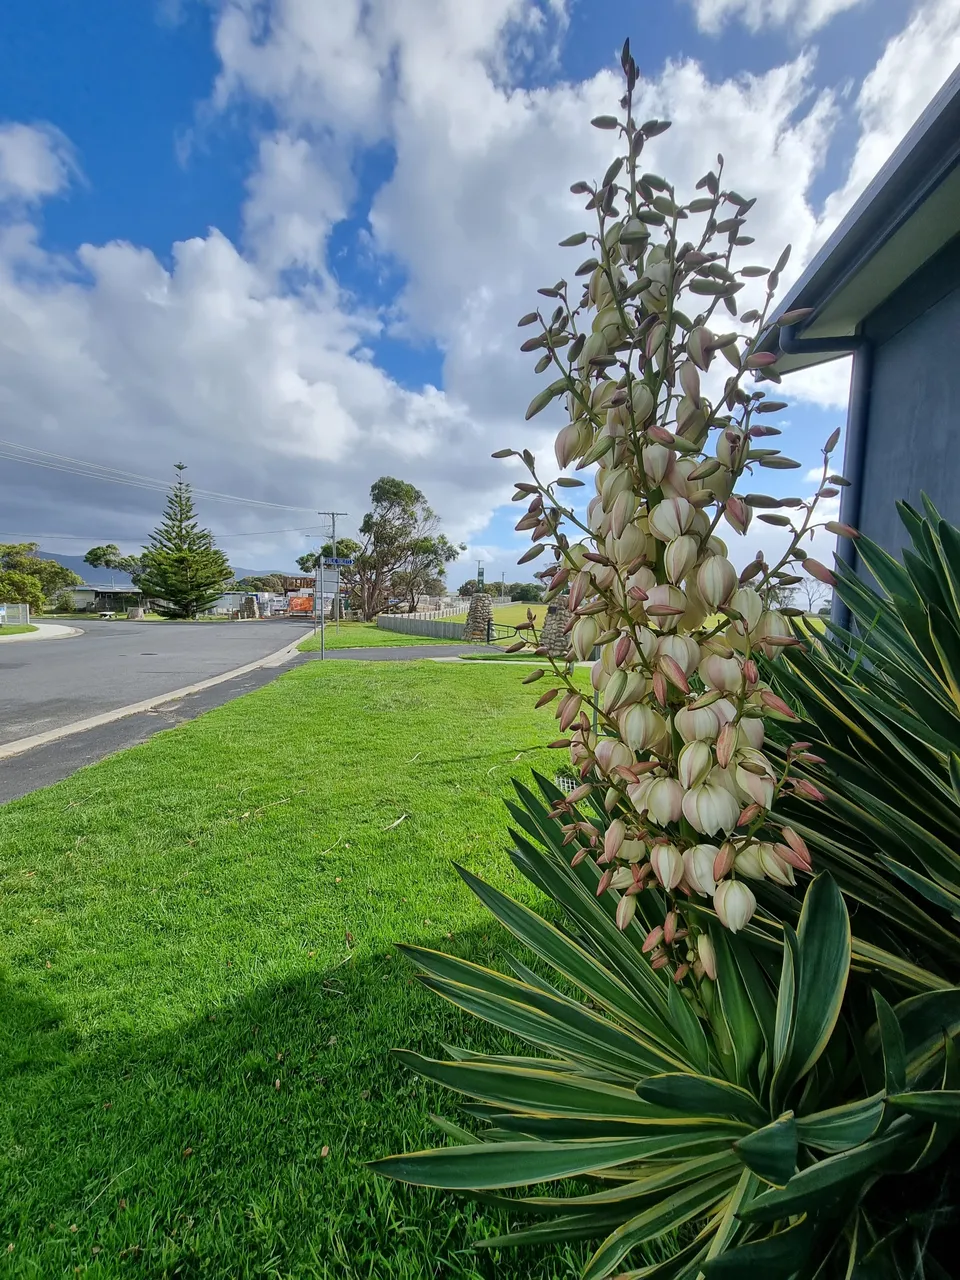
(511,614)
(199,988)
(364,635)
(20,629)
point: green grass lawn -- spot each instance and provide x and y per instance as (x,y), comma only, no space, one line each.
(511,613)
(364,635)
(199,988)
(17,630)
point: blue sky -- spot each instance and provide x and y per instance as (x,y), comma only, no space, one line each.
(309,229)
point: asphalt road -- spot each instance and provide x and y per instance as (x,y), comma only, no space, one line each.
(45,684)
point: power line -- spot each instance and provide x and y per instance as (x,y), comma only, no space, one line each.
(95,471)
(127,537)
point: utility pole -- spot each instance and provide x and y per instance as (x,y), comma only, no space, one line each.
(336,599)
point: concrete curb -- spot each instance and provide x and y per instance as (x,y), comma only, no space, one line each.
(45,631)
(16,748)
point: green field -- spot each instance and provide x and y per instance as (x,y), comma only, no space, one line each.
(510,613)
(18,630)
(364,635)
(199,987)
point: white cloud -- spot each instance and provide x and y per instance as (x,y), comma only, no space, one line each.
(713,15)
(913,67)
(36,161)
(265,388)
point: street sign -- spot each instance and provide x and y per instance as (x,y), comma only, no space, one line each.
(332,564)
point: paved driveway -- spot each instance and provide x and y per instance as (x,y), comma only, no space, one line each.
(46,684)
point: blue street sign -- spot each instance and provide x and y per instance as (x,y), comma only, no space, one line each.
(332,564)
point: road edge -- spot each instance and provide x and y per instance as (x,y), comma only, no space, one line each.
(20,745)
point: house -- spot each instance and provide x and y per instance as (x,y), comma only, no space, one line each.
(885,288)
(95,599)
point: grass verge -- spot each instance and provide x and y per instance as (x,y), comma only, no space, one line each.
(365,635)
(199,989)
(20,629)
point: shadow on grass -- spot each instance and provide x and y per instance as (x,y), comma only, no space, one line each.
(234,1145)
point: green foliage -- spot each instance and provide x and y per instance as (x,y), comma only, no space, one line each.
(261,582)
(741,1124)
(21,557)
(882,708)
(21,588)
(525,592)
(471,587)
(110,557)
(181,566)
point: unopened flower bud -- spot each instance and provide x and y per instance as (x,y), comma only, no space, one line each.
(584,636)
(747,862)
(613,837)
(698,868)
(667,864)
(734,904)
(656,459)
(680,557)
(778,869)
(716,581)
(693,764)
(623,510)
(723,862)
(737,514)
(707,956)
(759,781)
(748,604)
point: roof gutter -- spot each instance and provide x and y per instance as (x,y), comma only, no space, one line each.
(858,411)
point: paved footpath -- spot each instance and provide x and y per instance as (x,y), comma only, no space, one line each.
(52,762)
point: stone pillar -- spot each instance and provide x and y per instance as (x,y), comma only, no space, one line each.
(478,615)
(553,635)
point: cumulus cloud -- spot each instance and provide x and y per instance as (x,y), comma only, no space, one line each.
(251,364)
(36,161)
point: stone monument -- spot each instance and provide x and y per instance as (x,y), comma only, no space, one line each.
(478,617)
(553,635)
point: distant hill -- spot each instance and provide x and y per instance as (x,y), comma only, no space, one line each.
(111,578)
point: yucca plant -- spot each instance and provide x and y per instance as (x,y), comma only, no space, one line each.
(741,1127)
(881,706)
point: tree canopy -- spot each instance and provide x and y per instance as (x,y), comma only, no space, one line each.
(110,557)
(21,558)
(181,567)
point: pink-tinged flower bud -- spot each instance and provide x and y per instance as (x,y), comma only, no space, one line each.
(681,973)
(652,939)
(644,579)
(806,789)
(693,764)
(613,691)
(667,864)
(795,841)
(622,512)
(778,869)
(613,837)
(728,447)
(721,673)
(794,859)
(584,636)
(716,581)
(772,627)
(624,650)
(674,673)
(819,571)
(659,682)
(747,862)
(578,590)
(707,956)
(671,518)
(776,705)
(569,709)
(579,856)
(749,813)
(758,786)
(682,649)
(710,807)
(599,676)
(604,883)
(752,673)
(626,910)
(670,928)
(698,868)
(660,962)
(734,904)
(663,801)
(656,459)
(680,557)
(699,725)
(723,862)
(726,743)
(737,514)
